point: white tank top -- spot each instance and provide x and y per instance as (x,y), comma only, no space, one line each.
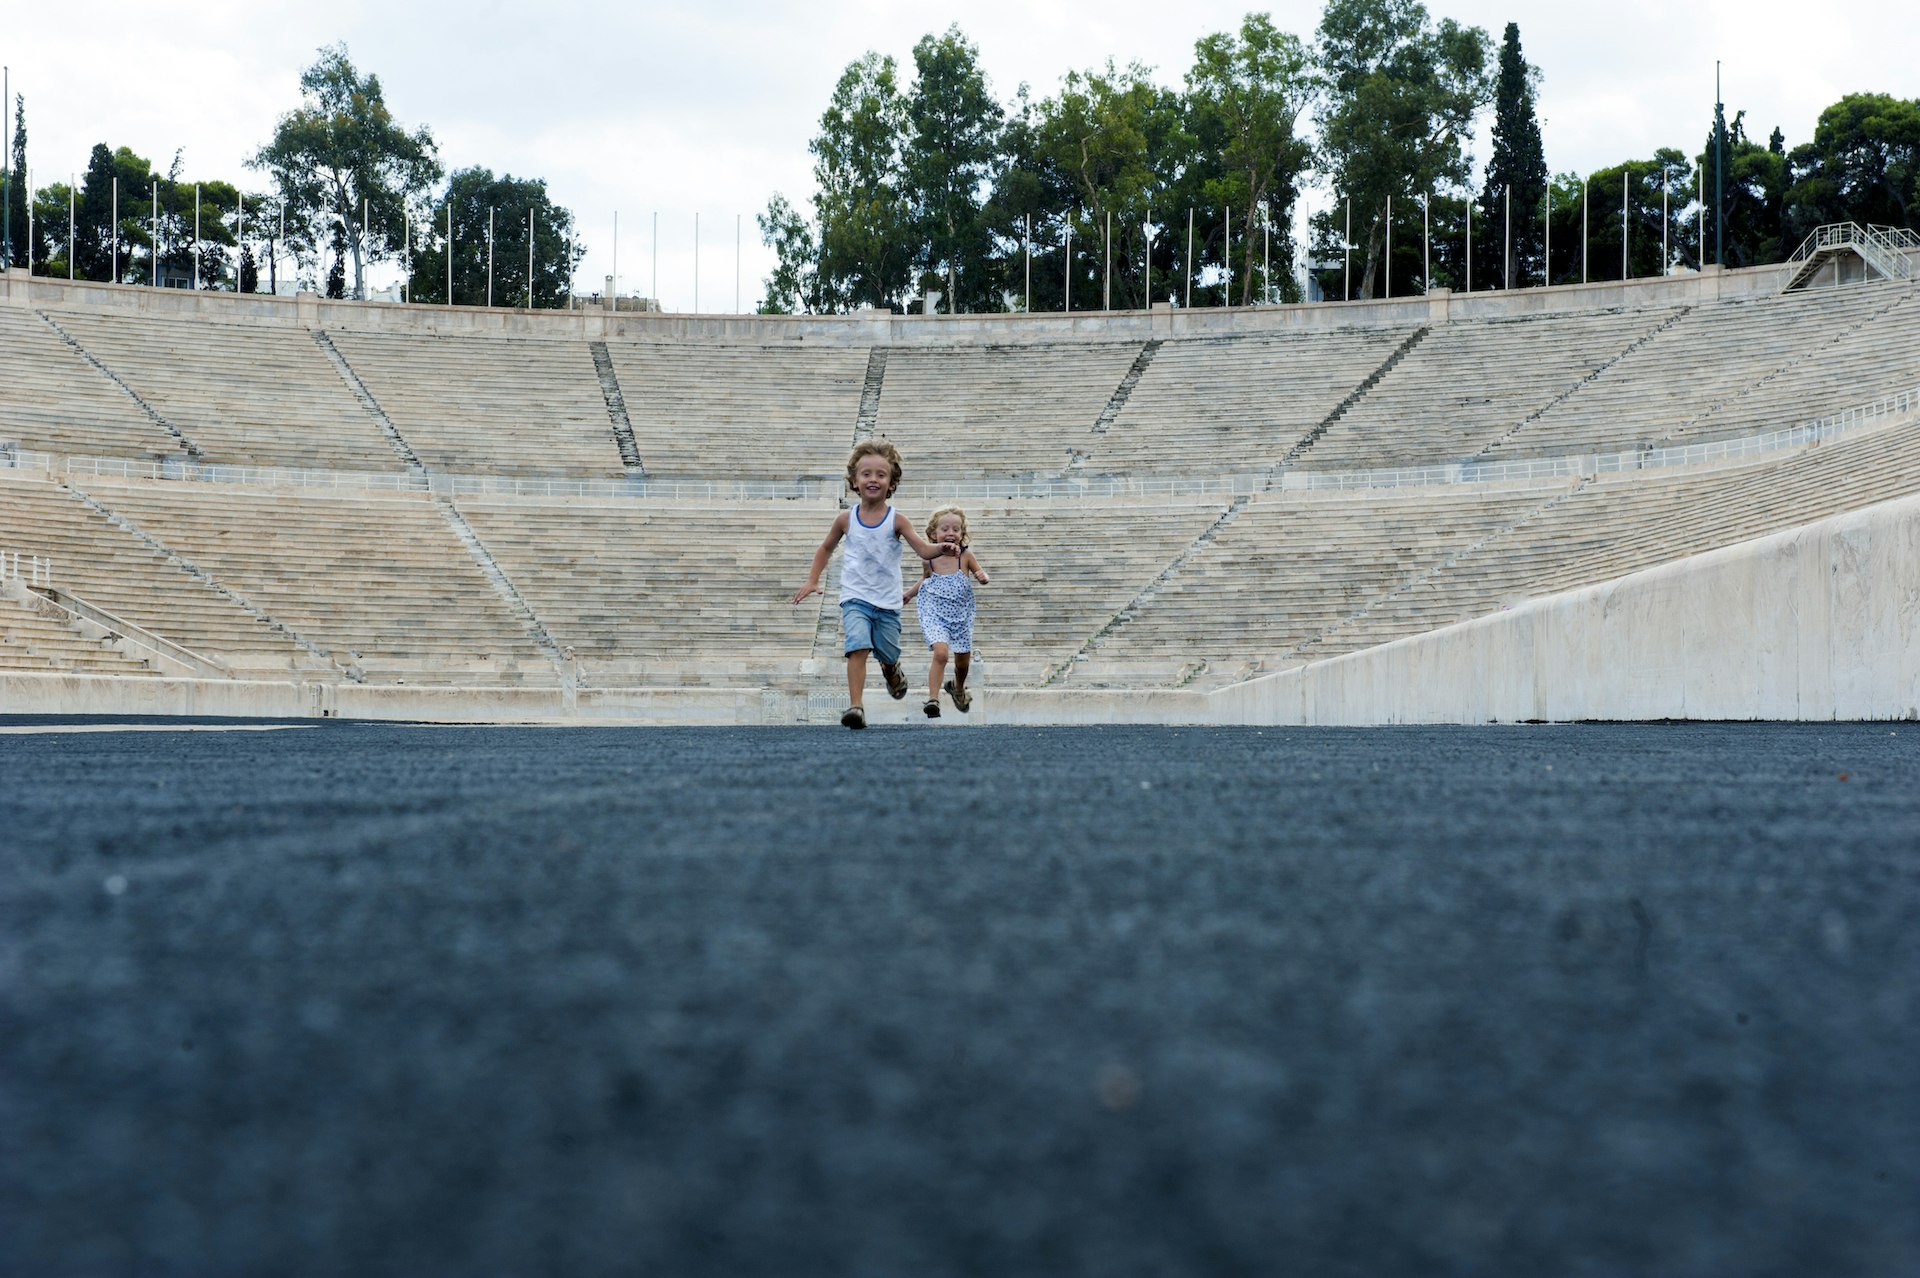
(870,566)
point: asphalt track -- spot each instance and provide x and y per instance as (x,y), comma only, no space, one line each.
(381,999)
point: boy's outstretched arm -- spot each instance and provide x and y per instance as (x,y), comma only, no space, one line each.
(820,557)
(972,565)
(903,527)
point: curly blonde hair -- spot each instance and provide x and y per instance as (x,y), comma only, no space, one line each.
(875,448)
(933,522)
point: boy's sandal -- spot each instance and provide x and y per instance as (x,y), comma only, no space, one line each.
(896,682)
(933,709)
(962,699)
(853,717)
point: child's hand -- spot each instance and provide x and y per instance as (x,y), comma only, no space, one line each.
(804,591)
(980,575)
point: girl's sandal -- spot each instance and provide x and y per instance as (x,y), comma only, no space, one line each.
(962,699)
(854,717)
(933,709)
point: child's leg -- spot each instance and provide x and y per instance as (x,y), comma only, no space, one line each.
(856,676)
(936,671)
(961,661)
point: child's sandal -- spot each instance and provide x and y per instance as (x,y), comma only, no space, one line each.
(896,682)
(853,717)
(962,699)
(932,708)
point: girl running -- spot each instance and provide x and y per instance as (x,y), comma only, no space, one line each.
(945,592)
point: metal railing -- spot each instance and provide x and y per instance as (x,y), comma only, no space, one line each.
(1885,247)
(637,488)
(13,457)
(1070,488)
(35,570)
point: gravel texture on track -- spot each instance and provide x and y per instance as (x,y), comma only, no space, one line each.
(387,999)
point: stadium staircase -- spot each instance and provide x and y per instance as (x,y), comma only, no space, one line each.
(1124,391)
(1575,389)
(616,408)
(367,401)
(1133,607)
(870,389)
(1358,393)
(153,415)
(345,670)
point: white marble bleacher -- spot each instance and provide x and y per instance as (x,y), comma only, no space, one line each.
(53,401)
(660,592)
(1622,523)
(1217,405)
(109,568)
(1880,357)
(377,581)
(995,411)
(1472,381)
(1060,570)
(1715,355)
(724,411)
(488,404)
(1287,567)
(248,393)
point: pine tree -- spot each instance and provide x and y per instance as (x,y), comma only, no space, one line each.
(1519,164)
(249,270)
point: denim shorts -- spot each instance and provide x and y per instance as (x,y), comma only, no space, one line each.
(868,627)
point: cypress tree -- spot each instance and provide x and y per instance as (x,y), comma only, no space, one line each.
(17,177)
(1519,163)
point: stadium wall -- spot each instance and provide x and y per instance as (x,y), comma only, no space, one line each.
(881,328)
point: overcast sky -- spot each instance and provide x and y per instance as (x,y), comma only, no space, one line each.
(678,108)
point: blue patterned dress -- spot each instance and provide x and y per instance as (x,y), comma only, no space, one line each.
(945,603)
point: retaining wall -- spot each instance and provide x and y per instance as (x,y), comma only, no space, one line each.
(881,328)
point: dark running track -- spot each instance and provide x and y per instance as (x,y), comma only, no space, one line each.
(359,999)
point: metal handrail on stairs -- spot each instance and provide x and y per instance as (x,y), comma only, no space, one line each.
(1883,247)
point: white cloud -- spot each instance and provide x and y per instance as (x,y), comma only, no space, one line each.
(684,106)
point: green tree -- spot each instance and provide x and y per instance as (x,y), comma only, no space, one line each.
(1517,171)
(861,239)
(1244,96)
(340,162)
(1639,183)
(1396,115)
(794,283)
(1863,165)
(1753,196)
(863,210)
(16,230)
(1103,149)
(472,194)
(953,138)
